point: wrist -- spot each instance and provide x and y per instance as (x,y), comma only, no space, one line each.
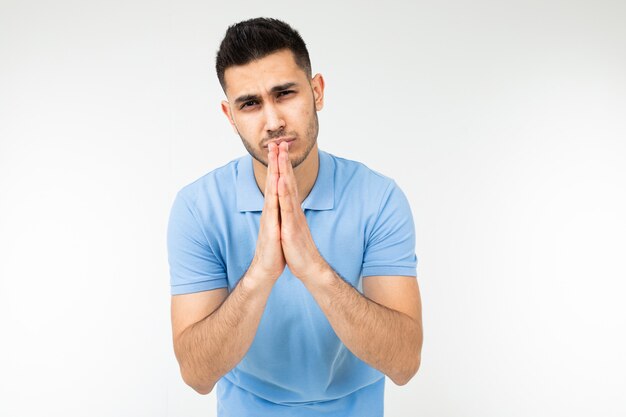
(261,271)
(324,285)
(255,280)
(318,273)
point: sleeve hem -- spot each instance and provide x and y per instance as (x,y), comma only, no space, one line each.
(389,270)
(198,286)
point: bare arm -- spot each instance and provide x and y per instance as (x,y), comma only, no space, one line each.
(387,339)
(211,347)
(212,334)
(382,328)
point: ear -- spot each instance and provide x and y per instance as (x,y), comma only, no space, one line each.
(317,84)
(229,116)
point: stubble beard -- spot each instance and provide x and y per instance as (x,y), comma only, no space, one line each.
(310,137)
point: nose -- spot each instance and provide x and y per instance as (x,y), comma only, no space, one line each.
(273,118)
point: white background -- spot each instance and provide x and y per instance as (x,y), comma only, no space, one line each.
(504,123)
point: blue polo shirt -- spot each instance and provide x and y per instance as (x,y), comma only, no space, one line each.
(362,225)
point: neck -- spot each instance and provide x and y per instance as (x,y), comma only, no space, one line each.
(305,173)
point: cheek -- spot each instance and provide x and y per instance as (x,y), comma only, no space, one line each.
(303,112)
(249,126)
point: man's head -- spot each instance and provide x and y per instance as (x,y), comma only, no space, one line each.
(257,38)
(264,69)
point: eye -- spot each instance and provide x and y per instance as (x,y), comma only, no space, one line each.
(284,93)
(248,104)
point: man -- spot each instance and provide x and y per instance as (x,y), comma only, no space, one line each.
(293,271)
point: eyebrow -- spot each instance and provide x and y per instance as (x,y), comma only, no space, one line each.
(248,97)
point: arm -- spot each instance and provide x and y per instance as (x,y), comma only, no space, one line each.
(384,331)
(214,330)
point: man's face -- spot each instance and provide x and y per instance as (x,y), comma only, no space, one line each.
(273,99)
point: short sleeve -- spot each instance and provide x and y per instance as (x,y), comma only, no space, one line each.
(390,248)
(193,264)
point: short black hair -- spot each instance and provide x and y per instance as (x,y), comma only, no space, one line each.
(256,38)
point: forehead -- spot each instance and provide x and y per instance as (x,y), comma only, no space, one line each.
(261,75)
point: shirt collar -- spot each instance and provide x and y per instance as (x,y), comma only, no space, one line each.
(321,197)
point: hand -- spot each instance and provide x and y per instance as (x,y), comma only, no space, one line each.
(269,260)
(299,249)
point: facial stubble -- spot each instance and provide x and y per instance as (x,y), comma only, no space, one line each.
(310,136)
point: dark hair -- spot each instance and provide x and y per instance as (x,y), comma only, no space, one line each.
(256,38)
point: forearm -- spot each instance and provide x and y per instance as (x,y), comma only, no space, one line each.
(387,340)
(212,347)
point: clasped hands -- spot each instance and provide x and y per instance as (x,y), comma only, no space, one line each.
(284,235)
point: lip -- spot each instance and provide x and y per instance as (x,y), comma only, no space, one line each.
(279,140)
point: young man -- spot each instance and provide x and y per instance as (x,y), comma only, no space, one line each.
(293,271)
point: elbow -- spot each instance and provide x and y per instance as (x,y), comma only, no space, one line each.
(199,387)
(403,377)
(412,364)
(202,386)
(202,390)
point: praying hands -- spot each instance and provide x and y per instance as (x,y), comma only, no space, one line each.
(284,235)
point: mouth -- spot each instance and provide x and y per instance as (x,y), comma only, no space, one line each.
(279,140)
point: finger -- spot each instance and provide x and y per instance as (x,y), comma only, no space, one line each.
(286,169)
(268,174)
(271,191)
(286,194)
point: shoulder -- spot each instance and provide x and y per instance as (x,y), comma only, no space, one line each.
(215,188)
(356,177)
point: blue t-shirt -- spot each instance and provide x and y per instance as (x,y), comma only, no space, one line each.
(362,225)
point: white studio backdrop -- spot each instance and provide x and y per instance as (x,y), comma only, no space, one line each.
(503,122)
